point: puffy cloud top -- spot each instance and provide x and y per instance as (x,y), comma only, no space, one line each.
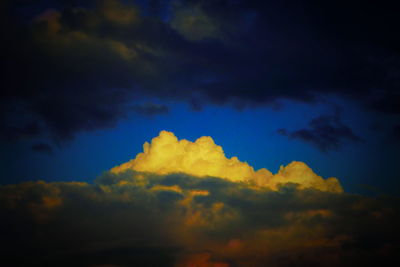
(166,154)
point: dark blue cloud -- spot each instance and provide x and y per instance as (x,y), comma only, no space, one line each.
(326,132)
(80,66)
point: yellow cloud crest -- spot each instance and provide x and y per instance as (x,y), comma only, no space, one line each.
(166,154)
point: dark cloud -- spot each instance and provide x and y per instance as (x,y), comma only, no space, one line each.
(15,133)
(80,69)
(79,66)
(132,219)
(42,147)
(326,132)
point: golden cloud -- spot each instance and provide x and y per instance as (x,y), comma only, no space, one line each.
(166,154)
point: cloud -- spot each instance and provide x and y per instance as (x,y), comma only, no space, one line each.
(160,209)
(194,24)
(83,68)
(325,132)
(166,154)
(79,67)
(116,12)
(133,218)
(18,132)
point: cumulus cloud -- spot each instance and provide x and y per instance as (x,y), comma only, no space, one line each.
(182,203)
(166,154)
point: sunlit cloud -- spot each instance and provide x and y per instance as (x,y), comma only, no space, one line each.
(166,154)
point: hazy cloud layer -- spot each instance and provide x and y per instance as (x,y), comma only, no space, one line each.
(71,67)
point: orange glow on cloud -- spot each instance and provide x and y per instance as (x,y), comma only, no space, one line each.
(200,260)
(166,154)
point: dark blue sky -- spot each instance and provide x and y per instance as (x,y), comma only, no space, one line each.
(86,83)
(249,134)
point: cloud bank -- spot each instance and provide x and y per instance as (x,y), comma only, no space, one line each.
(80,66)
(163,218)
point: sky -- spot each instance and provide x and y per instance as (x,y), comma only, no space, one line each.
(298,92)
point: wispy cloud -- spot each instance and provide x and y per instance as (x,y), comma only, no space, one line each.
(326,132)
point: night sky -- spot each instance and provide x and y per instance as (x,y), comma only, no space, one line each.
(253,106)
